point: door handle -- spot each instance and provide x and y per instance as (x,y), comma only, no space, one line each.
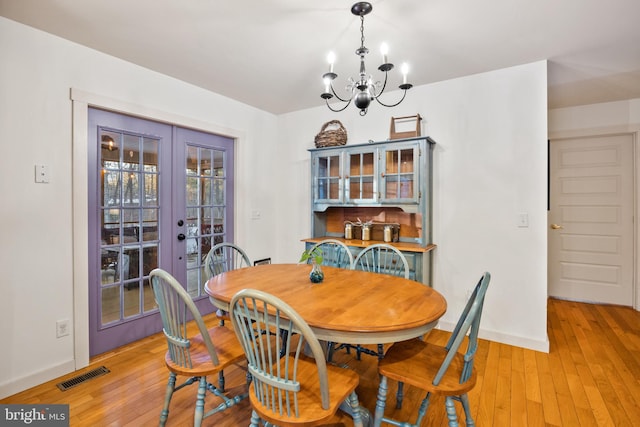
(556,227)
(181,236)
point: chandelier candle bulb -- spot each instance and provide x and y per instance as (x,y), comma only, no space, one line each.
(331,57)
(405,70)
(384,49)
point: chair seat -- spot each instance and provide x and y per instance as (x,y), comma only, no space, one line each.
(342,381)
(228,348)
(416,362)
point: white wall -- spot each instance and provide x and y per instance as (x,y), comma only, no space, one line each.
(594,119)
(490,165)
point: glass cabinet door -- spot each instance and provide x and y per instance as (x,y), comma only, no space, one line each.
(399,177)
(362,185)
(327,178)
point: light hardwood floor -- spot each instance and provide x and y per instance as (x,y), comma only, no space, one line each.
(590,377)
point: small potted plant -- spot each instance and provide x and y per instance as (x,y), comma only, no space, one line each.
(315,255)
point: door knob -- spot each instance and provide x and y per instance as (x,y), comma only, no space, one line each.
(181,236)
(556,227)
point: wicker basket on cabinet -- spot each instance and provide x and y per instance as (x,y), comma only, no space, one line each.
(331,134)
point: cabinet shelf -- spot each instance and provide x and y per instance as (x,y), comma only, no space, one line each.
(357,243)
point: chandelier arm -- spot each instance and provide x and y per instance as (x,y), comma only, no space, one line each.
(393,105)
(384,85)
(339,109)
(337,96)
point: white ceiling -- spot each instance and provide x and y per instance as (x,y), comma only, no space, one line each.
(272,53)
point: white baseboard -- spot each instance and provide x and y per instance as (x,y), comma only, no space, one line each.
(536,345)
(14,386)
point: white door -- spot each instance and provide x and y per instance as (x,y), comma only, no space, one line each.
(591,219)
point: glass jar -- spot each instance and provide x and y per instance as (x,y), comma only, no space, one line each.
(388,233)
(348,231)
(366,232)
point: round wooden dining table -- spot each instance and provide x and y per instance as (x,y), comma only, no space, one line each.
(348,306)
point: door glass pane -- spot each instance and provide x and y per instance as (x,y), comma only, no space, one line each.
(129,233)
(328,176)
(406,161)
(406,174)
(150,169)
(110,297)
(205,206)
(218,224)
(399,174)
(110,150)
(361,176)
(131,302)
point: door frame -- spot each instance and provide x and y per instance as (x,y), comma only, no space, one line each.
(634,131)
(81,101)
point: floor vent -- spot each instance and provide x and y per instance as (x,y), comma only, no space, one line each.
(66,385)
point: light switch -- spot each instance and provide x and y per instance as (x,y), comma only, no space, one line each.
(42,174)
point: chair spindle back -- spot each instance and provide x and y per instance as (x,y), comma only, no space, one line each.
(176,308)
(225,257)
(334,253)
(382,258)
(469,322)
(258,318)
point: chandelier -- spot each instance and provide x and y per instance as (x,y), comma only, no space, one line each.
(364,89)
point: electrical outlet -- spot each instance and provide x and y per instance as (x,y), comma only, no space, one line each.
(62,328)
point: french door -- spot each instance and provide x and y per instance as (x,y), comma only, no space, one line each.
(159,196)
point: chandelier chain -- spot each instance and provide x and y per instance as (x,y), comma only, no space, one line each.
(362,31)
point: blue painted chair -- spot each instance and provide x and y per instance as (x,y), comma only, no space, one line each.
(225,257)
(334,253)
(435,369)
(294,389)
(377,258)
(193,355)
(221,258)
(384,259)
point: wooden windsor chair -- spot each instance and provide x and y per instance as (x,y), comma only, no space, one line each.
(436,369)
(223,257)
(195,356)
(293,389)
(334,253)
